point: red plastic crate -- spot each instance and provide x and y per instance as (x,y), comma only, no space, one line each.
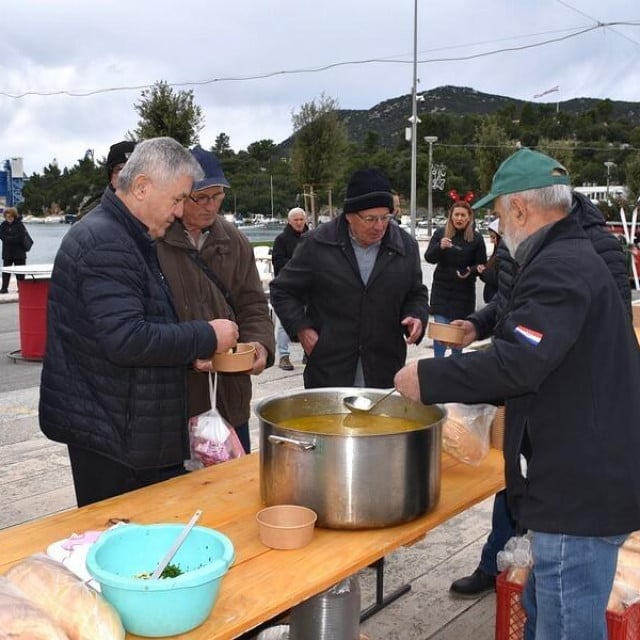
(510,616)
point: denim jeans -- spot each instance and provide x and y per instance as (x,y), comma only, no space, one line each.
(439,348)
(502,529)
(282,339)
(568,588)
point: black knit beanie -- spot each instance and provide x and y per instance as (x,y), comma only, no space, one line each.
(368,189)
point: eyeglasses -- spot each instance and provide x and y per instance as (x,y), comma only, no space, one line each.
(371,220)
(204,200)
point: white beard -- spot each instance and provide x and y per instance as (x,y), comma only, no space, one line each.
(513,241)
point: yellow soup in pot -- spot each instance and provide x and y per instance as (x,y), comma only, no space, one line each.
(350,424)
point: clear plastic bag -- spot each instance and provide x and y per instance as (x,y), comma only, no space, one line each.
(81,612)
(21,619)
(212,439)
(466,431)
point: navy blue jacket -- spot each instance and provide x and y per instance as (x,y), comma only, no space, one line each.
(321,287)
(114,371)
(566,359)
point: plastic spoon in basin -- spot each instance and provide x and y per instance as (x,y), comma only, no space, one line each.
(162,565)
(362,404)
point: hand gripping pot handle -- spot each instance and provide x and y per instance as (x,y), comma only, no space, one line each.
(305,446)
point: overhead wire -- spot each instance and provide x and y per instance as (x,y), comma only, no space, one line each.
(84,94)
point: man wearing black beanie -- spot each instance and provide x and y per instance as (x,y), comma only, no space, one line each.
(353,291)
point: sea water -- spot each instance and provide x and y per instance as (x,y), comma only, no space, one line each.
(48,236)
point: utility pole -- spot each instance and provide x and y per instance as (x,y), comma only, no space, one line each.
(414,119)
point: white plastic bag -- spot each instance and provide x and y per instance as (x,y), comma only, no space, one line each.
(466,431)
(212,439)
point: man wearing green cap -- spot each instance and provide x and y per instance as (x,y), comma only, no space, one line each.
(563,343)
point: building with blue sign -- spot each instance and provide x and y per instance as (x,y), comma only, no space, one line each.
(11,182)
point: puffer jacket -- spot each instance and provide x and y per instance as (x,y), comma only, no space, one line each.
(451,296)
(321,288)
(114,372)
(607,247)
(227,252)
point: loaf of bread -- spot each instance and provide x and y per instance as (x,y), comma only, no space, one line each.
(21,619)
(80,611)
(461,443)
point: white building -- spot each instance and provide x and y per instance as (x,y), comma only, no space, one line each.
(598,193)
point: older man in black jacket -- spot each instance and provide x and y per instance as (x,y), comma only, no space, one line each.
(562,345)
(114,374)
(353,291)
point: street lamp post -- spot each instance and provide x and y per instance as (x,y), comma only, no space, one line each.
(430,140)
(271,189)
(608,164)
(414,121)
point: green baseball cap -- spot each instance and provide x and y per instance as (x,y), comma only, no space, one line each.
(523,170)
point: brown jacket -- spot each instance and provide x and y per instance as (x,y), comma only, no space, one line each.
(227,252)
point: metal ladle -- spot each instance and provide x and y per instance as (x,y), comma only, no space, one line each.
(362,404)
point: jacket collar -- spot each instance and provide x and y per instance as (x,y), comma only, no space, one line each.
(336,232)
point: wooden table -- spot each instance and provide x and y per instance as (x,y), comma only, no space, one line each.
(263,582)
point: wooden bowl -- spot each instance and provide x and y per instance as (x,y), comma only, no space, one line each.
(286,526)
(449,333)
(234,361)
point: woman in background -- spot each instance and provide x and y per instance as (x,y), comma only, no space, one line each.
(489,272)
(457,250)
(14,238)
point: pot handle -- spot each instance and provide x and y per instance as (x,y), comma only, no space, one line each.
(305,446)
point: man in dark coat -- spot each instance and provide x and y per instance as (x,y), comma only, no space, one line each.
(481,325)
(561,346)
(283,247)
(113,382)
(353,291)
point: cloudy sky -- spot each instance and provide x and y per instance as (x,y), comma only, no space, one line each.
(251,63)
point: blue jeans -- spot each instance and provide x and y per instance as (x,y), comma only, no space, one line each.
(502,529)
(282,339)
(566,595)
(439,348)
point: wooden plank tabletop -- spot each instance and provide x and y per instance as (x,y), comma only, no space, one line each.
(262,583)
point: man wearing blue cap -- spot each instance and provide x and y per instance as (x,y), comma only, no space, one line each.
(563,342)
(210,267)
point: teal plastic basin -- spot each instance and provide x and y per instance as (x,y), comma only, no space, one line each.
(165,607)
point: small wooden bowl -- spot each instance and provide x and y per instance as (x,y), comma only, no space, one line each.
(286,526)
(234,361)
(449,333)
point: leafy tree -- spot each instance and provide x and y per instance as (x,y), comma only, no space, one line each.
(164,112)
(632,171)
(493,148)
(222,144)
(262,150)
(319,145)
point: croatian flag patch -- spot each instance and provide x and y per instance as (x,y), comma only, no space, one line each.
(532,337)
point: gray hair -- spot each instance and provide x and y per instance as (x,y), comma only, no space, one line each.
(162,159)
(556,196)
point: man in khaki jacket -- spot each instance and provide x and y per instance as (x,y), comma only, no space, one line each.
(211,271)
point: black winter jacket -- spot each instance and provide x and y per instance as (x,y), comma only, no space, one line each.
(605,244)
(321,288)
(451,296)
(283,247)
(565,357)
(13,237)
(114,371)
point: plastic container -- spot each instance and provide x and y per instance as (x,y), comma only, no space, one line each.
(164,607)
(511,617)
(449,333)
(333,614)
(234,361)
(286,526)
(32,311)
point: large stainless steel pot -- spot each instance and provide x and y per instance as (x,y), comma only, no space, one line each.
(350,481)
